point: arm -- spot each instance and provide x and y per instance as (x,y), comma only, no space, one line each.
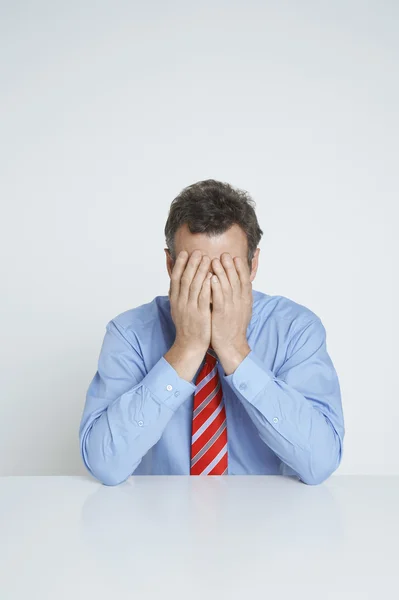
(298,411)
(127,409)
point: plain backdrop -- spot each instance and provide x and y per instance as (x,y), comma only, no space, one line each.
(108,109)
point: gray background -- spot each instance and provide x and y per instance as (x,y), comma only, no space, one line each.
(108,109)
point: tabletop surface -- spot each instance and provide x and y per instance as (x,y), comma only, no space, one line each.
(199,537)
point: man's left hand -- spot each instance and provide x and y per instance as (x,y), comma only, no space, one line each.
(232,310)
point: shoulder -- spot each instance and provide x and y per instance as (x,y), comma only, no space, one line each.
(283,310)
(290,323)
(134,320)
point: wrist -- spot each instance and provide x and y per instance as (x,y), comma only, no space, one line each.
(189,349)
(232,356)
(185,360)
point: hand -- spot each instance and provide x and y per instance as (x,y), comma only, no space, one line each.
(189,296)
(232,310)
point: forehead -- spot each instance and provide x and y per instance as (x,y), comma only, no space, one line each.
(234,241)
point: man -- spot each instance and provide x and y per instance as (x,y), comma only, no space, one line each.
(216,378)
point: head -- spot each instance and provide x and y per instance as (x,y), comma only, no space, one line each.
(213,217)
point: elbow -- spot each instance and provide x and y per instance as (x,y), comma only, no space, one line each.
(109,480)
(315,479)
(318,470)
(316,476)
(104,471)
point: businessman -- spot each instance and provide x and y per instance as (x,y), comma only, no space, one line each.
(216,378)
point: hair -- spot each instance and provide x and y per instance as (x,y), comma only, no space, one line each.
(212,207)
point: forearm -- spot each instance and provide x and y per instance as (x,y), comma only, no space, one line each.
(185,360)
(304,439)
(117,440)
(115,435)
(299,433)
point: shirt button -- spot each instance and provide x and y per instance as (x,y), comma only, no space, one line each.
(177,393)
(243,386)
(169,387)
(140,423)
(275,420)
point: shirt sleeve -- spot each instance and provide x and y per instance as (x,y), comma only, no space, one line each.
(126,408)
(298,410)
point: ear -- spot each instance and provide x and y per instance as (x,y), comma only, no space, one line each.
(254,265)
(169,262)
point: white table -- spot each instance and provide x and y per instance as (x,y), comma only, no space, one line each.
(199,537)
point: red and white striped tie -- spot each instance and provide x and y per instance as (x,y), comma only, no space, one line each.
(209,425)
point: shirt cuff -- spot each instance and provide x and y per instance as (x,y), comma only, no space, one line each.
(166,385)
(250,378)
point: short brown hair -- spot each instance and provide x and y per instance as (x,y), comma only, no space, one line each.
(212,207)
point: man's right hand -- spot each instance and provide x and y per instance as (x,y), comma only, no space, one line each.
(190,296)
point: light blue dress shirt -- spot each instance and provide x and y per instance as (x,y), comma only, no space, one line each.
(283,402)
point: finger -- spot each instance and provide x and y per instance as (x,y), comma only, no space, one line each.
(217,294)
(204,297)
(189,273)
(196,284)
(231,272)
(176,274)
(244,275)
(222,278)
